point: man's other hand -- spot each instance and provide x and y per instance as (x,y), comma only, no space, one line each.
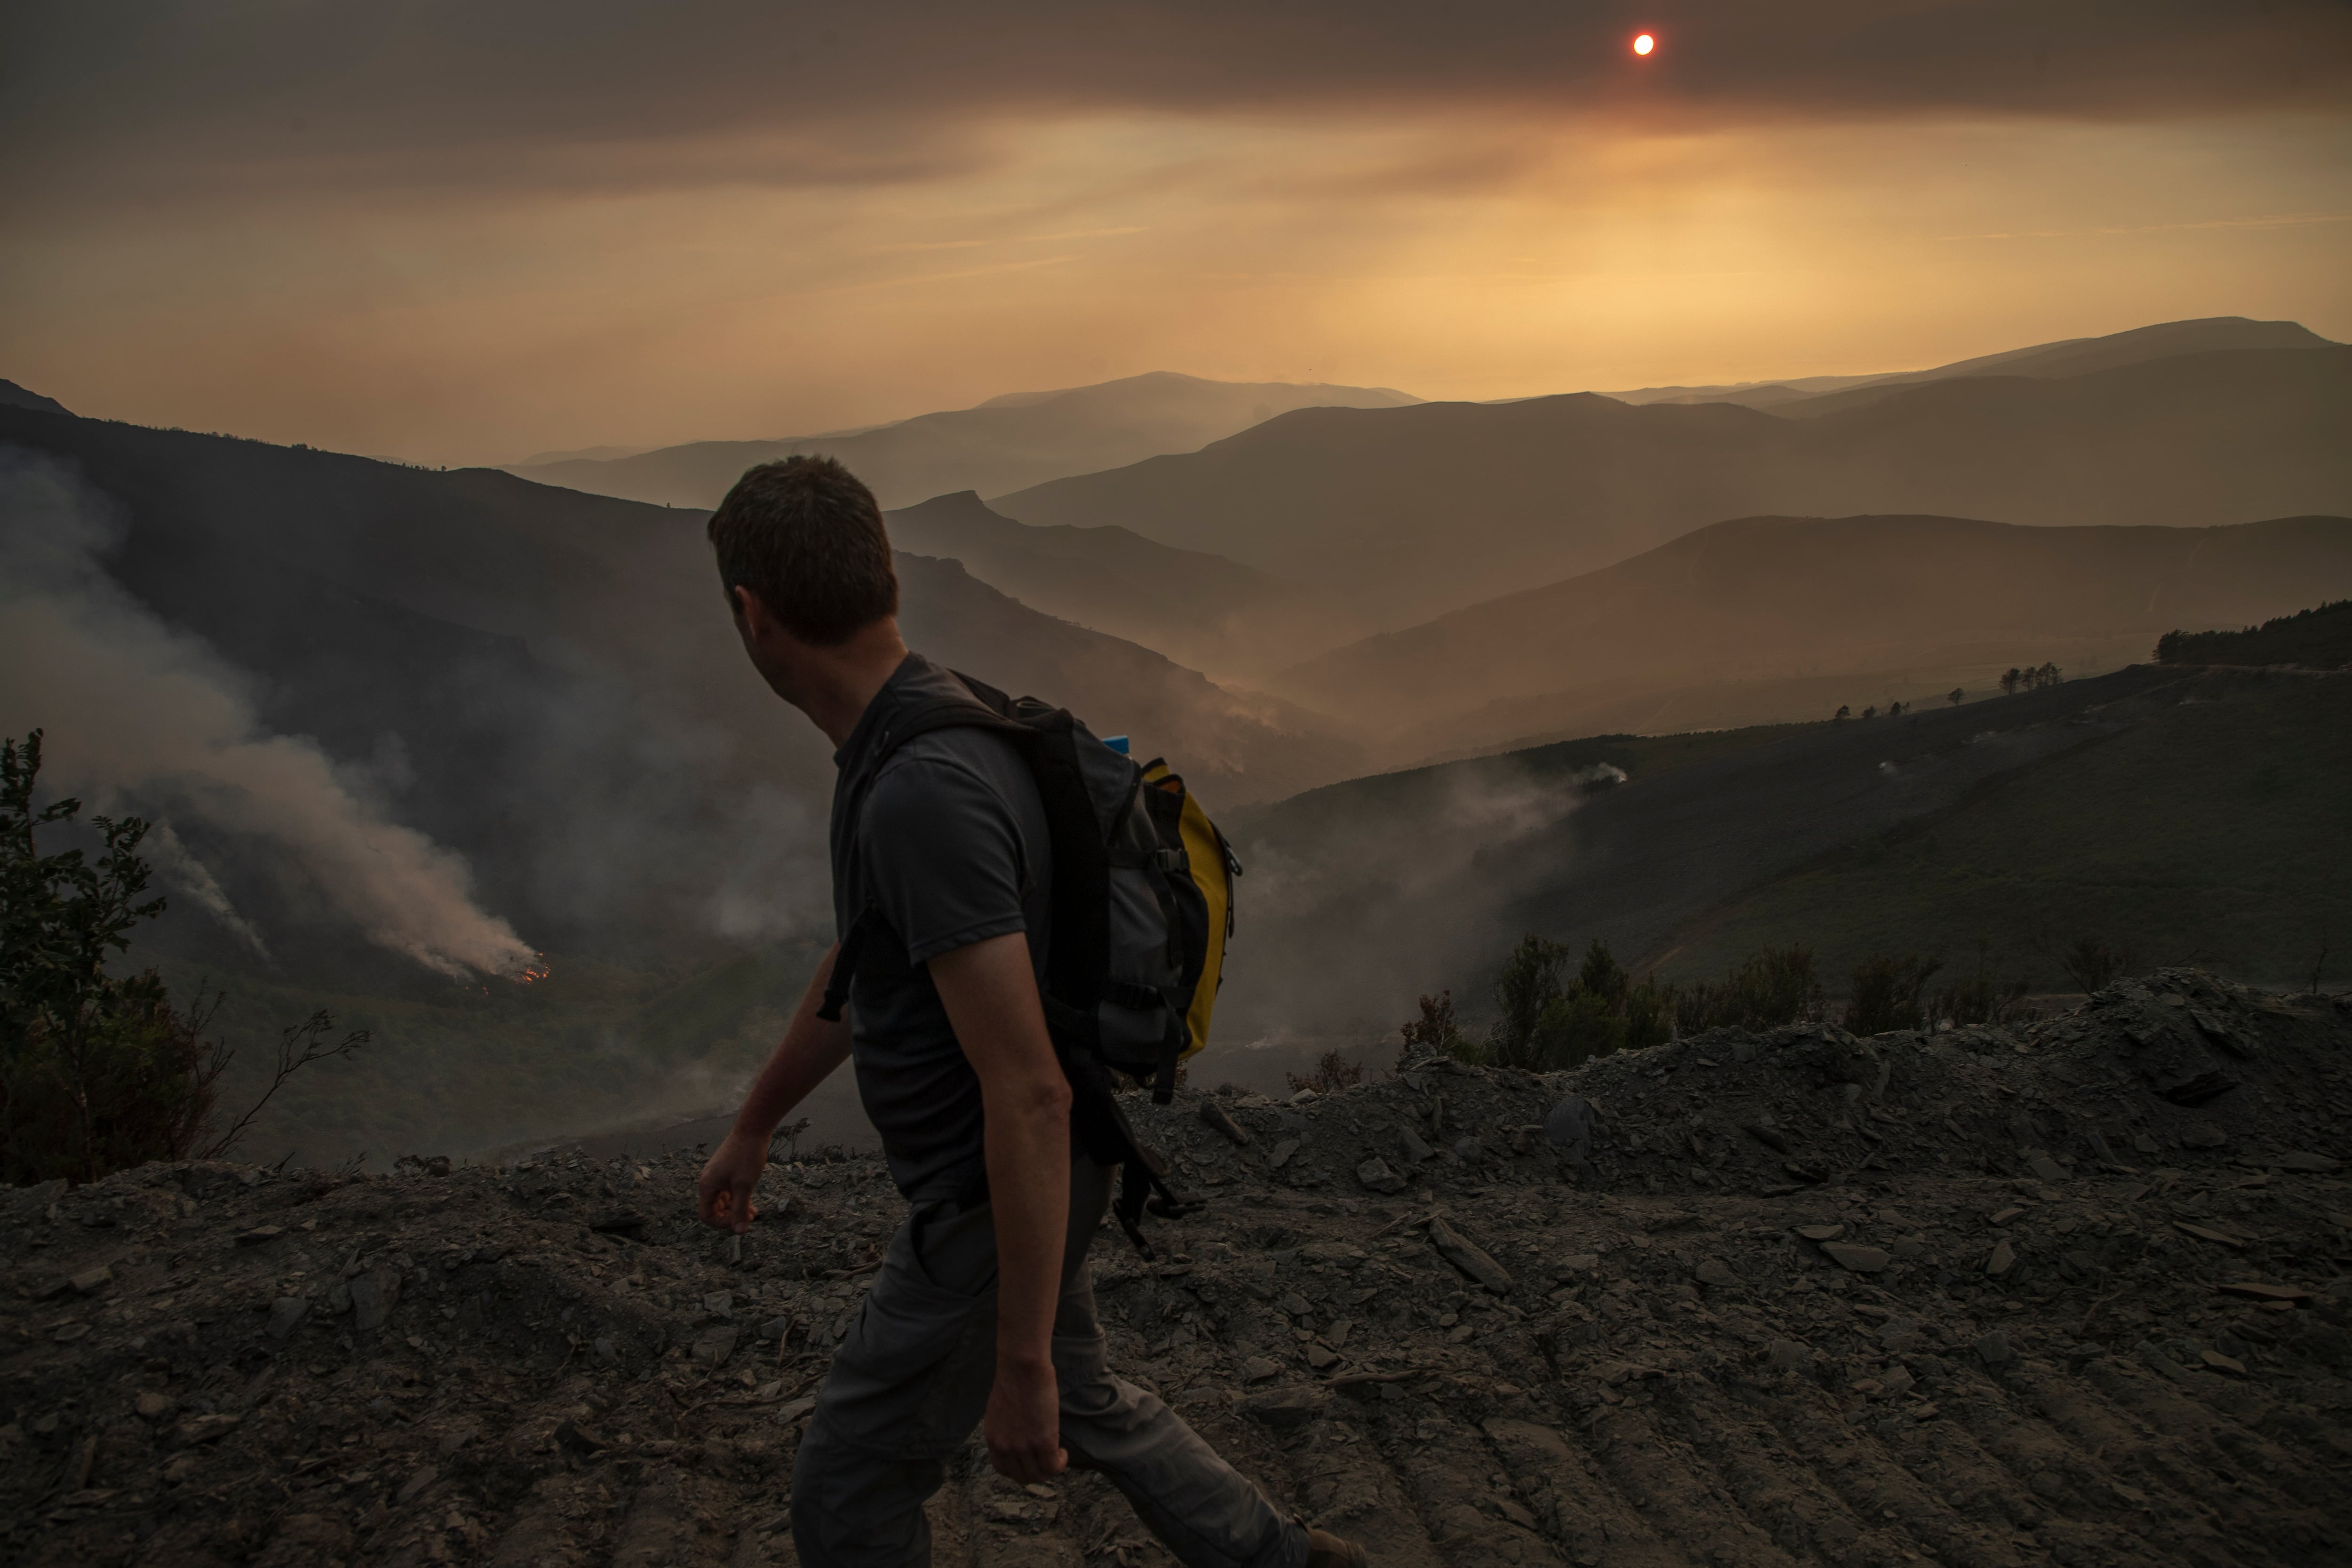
(723,1196)
(1023,1423)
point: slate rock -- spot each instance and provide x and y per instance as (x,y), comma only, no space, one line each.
(373,1295)
(1416,1148)
(1820,1232)
(2319,1164)
(1857,1260)
(2046,1168)
(1993,1349)
(1258,1368)
(285,1313)
(1215,1116)
(1285,1409)
(1282,1153)
(2261,1292)
(204,1429)
(91,1280)
(792,1410)
(578,1439)
(1469,1148)
(1470,1259)
(1569,1125)
(1787,1355)
(1375,1174)
(156,1407)
(1717,1273)
(259,1234)
(2003,1259)
(712,1349)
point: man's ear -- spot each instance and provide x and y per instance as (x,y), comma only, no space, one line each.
(751,618)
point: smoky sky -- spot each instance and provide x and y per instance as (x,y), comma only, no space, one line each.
(104,99)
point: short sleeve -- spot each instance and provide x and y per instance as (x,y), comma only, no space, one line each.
(942,857)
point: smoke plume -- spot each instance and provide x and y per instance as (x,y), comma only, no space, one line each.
(138,715)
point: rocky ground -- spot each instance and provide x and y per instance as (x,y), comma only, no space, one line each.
(2073,1291)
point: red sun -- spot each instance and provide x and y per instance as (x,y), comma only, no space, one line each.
(1643,43)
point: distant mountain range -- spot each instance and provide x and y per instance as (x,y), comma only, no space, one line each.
(547,683)
(1770,618)
(1199,610)
(1399,514)
(1005,444)
(2068,356)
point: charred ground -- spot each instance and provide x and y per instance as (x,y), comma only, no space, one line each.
(2073,1292)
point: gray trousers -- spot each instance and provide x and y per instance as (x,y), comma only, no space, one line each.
(912,1380)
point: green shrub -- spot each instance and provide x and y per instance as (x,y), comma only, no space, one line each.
(1774,985)
(1528,993)
(2092,965)
(1437,1030)
(97,1071)
(1545,1025)
(1981,998)
(1885,994)
(1333,1072)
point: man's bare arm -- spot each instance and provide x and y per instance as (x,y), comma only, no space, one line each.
(990,993)
(803,1059)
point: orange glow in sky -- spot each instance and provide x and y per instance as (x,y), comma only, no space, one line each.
(1644,44)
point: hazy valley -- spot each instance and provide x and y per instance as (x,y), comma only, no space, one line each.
(539,687)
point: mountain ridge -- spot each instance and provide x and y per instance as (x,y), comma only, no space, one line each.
(1009,441)
(2069,357)
(1202,610)
(1759,597)
(1408,514)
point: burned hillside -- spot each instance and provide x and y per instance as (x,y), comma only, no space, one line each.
(2072,1292)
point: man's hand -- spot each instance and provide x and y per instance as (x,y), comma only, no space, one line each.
(810,1050)
(1023,1423)
(723,1196)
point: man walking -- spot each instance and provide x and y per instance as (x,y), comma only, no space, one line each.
(983,1311)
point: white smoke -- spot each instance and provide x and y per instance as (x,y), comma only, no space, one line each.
(135,712)
(193,878)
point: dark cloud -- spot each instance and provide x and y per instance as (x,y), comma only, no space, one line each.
(111,98)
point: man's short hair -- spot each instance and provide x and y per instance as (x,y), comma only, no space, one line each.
(807,537)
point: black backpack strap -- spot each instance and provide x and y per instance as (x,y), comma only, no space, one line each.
(947,713)
(844,963)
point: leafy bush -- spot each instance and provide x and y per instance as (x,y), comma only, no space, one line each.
(2092,964)
(1546,1024)
(1526,993)
(1774,985)
(98,1071)
(1333,1072)
(1885,994)
(1437,1030)
(1982,998)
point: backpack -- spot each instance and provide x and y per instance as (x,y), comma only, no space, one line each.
(1143,907)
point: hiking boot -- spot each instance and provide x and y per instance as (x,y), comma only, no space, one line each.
(1325,1550)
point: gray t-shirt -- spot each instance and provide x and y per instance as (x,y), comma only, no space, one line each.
(951,848)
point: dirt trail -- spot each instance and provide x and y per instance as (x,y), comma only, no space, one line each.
(2075,1291)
